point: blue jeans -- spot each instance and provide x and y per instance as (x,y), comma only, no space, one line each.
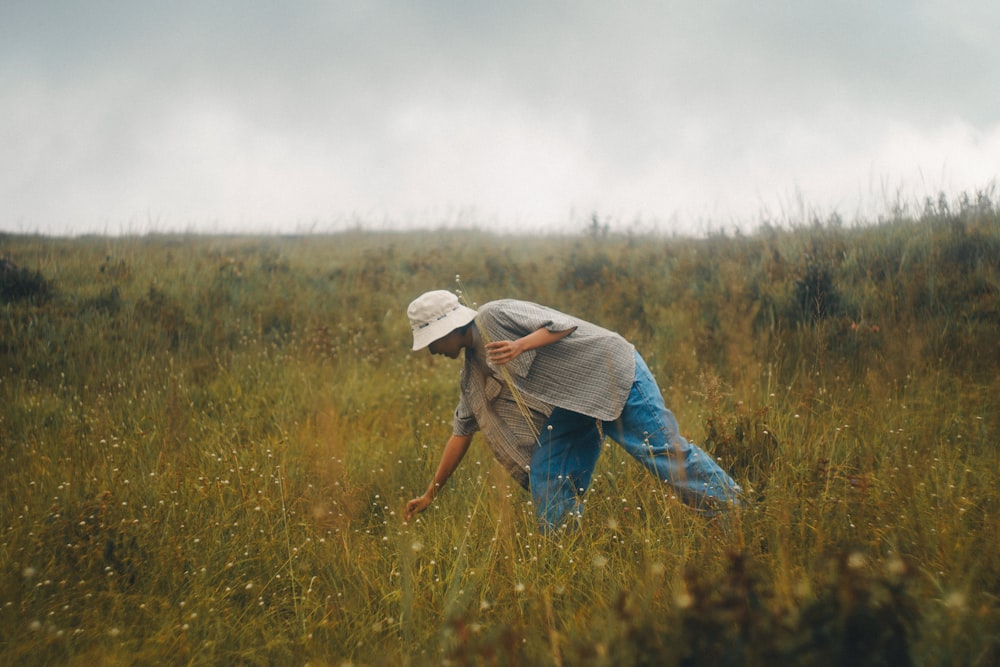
(570,444)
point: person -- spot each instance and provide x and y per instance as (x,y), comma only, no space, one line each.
(545,388)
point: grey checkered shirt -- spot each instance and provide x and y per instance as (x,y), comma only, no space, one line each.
(590,371)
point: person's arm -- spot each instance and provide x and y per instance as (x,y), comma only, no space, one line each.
(505,351)
(452,455)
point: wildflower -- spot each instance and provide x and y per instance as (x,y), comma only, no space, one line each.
(896,567)
(955,601)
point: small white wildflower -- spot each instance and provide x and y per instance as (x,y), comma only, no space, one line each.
(955,601)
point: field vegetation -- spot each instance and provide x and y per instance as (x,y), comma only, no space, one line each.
(207,444)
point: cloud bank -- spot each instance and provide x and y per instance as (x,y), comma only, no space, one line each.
(523,115)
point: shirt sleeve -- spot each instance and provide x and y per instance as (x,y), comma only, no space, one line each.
(520,318)
(464,422)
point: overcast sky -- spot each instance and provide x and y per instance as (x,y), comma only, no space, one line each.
(674,115)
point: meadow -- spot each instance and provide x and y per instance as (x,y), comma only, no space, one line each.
(208,442)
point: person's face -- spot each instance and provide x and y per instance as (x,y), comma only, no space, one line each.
(449,346)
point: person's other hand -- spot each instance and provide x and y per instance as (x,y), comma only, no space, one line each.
(503,351)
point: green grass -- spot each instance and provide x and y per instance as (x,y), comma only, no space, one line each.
(208,443)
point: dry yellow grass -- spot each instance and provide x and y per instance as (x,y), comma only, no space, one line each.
(207,444)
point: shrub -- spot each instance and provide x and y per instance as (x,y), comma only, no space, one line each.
(20,284)
(816,295)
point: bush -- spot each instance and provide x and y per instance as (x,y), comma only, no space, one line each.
(20,284)
(816,295)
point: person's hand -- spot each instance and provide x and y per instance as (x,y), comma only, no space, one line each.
(417,505)
(503,351)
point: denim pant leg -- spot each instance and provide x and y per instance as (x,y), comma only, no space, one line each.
(648,431)
(562,467)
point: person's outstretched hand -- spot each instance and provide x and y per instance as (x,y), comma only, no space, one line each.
(417,505)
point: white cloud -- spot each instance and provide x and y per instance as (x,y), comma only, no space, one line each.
(519,113)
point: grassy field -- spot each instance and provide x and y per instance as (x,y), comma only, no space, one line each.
(208,442)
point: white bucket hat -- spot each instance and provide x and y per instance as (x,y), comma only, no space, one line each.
(434,315)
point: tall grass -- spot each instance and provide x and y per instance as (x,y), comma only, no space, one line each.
(208,443)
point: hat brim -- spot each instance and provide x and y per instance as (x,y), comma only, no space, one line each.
(432,331)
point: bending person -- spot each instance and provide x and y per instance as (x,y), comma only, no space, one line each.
(545,388)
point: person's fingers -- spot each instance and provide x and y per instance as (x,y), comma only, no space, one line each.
(413,507)
(500,351)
